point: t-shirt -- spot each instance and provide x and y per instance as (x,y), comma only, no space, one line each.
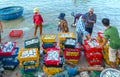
(112,34)
(88,17)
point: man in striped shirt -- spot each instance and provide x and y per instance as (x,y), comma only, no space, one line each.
(80,29)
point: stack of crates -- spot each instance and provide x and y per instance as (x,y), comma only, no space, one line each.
(101,39)
(52,62)
(28,59)
(9,53)
(62,37)
(71,50)
(92,53)
(49,41)
(32,43)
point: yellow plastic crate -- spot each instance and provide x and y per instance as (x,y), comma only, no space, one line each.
(48,38)
(27,58)
(107,59)
(63,36)
(72,53)
(105,48)
(51,70)
(72,61)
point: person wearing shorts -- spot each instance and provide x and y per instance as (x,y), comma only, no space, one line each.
(111,33)
(90,20)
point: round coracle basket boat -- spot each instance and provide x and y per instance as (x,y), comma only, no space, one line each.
(11,12)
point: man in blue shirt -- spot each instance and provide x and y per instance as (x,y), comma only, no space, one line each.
(90,20)
(80,29)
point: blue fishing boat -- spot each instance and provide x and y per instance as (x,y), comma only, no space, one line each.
(11,12)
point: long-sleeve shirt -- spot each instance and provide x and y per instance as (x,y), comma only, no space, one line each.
(80,26)
(37,19)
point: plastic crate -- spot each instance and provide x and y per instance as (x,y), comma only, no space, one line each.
(95,62)
(63,36)
(30,70)
(33,42)
(74,61)
(10,62)
(106,59)
(50,59)
(49,45)
(23,64)
(16,33)
(48,38)
(70,43)
(51,70)
(5,46)
(87,46)
(72,54)
(26,57)
(91,55)
(9,67)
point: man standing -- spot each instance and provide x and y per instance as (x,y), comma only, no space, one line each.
(90,20)
(37,19)
(80,29)
(111,33)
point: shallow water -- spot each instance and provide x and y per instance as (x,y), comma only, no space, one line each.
(50,10)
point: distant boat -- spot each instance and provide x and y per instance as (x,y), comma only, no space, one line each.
(11,12)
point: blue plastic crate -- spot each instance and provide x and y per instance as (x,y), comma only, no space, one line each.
(11,62)
(30,70)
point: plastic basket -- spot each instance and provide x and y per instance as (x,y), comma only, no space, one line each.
(16,33)
(10,62)
(63,36)
(87,47)
(110,69)
(74,61)
(51,70)
(7,53)
(49,60)
(33,42)
(48,38)
(28,58)
(23,64)
(71,44)
(49,45)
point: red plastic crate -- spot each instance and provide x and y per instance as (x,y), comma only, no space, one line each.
(93,55)
(88,48)
(51,61)
(7,53)
(16,33)
(68,53)
(95,62)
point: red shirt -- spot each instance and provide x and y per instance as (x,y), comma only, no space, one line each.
(37,18)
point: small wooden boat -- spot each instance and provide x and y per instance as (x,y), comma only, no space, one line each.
(11,12)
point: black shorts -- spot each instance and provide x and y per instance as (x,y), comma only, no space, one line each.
(89,30)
